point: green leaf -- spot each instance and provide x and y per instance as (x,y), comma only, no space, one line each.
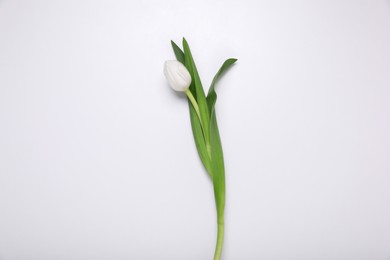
(218,168)
(195,123)
(212,95)
(197,89)
(199,140)
(217,163)
(178,52)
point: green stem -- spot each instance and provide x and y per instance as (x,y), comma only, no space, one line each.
(218,248)
(193,102)
(196,107)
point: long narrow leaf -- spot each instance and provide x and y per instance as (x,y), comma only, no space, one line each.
(218,168)
(200,95)
(199,140)
(212,95)
(195,123)
(225,66)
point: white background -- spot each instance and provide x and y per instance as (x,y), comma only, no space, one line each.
(97,159)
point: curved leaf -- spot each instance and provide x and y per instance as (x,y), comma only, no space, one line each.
(212,95)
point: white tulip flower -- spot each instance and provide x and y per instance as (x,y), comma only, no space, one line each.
(177,75)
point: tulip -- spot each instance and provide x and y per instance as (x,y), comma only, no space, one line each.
(177,75)
(204,124)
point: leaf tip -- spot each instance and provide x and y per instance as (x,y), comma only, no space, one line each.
(185,41)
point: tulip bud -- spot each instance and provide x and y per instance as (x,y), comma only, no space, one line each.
(177,75)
